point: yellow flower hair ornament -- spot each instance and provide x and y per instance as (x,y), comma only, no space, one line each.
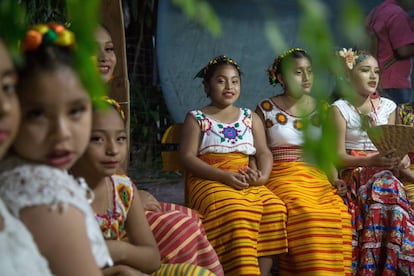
(48,34)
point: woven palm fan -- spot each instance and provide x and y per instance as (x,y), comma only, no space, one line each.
(388,137)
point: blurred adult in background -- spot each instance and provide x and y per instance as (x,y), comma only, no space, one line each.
(392,36)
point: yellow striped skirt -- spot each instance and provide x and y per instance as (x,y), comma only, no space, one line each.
(318,225)
(242,225)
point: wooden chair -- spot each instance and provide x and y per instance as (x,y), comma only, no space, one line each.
(170,143)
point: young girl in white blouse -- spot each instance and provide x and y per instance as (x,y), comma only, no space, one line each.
(18,252)
(54,132)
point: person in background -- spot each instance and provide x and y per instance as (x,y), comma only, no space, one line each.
(392,37)
(318,222)
(168,221)
(244,221)
(376,198)
(118,207)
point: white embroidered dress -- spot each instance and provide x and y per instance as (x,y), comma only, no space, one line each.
(19,255)
(24,184)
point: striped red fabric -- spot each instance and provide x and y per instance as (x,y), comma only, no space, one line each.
(181,237)
(287,154)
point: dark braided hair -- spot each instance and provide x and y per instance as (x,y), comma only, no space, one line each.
(281,60)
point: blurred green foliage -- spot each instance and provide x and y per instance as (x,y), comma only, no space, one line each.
(12,25)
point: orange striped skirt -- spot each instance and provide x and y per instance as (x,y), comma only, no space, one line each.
(242,225)
(318,225)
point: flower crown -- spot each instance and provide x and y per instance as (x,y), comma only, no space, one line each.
(273,70)
(352,57)
(219,60)
(48,34)
(115,105)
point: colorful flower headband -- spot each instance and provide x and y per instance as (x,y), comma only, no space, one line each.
(222,59)
(114,104)
(351,57)
(48,34)
(274,69)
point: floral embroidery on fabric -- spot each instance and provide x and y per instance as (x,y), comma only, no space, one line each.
(247,121)
(229,133)
(298,124)
(281,118)
(406,112)
(124,193)
(113,222)
(205,125)
(268,123)
(266,105)
(315,120)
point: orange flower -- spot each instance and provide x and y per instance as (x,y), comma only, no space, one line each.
(281,118)
(298,124)
(266,105)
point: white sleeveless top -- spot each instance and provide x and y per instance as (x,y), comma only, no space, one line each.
(18,252)
(23,184)
(220,137)
(283,128)
(355,137)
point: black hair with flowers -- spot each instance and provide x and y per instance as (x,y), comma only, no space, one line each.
(207,71)
(280,60)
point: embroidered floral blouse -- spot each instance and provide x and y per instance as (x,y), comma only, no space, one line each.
(220,137)
(283,128)
(113,222)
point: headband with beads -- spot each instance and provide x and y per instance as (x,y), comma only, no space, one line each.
(272,70)
(48,34)
(114,104)
(222,59)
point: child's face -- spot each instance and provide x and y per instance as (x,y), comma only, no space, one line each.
(224,85)
(9,105)
(298,78)
(108,147)
(365,76)
(106,57)
(56,118)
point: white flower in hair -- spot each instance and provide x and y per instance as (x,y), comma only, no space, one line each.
(349,56)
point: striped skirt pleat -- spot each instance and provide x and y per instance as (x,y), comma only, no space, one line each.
(318,224)
(181,237)
(182,270)
(242,225)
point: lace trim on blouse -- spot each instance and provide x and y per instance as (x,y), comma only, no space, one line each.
(23,185)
